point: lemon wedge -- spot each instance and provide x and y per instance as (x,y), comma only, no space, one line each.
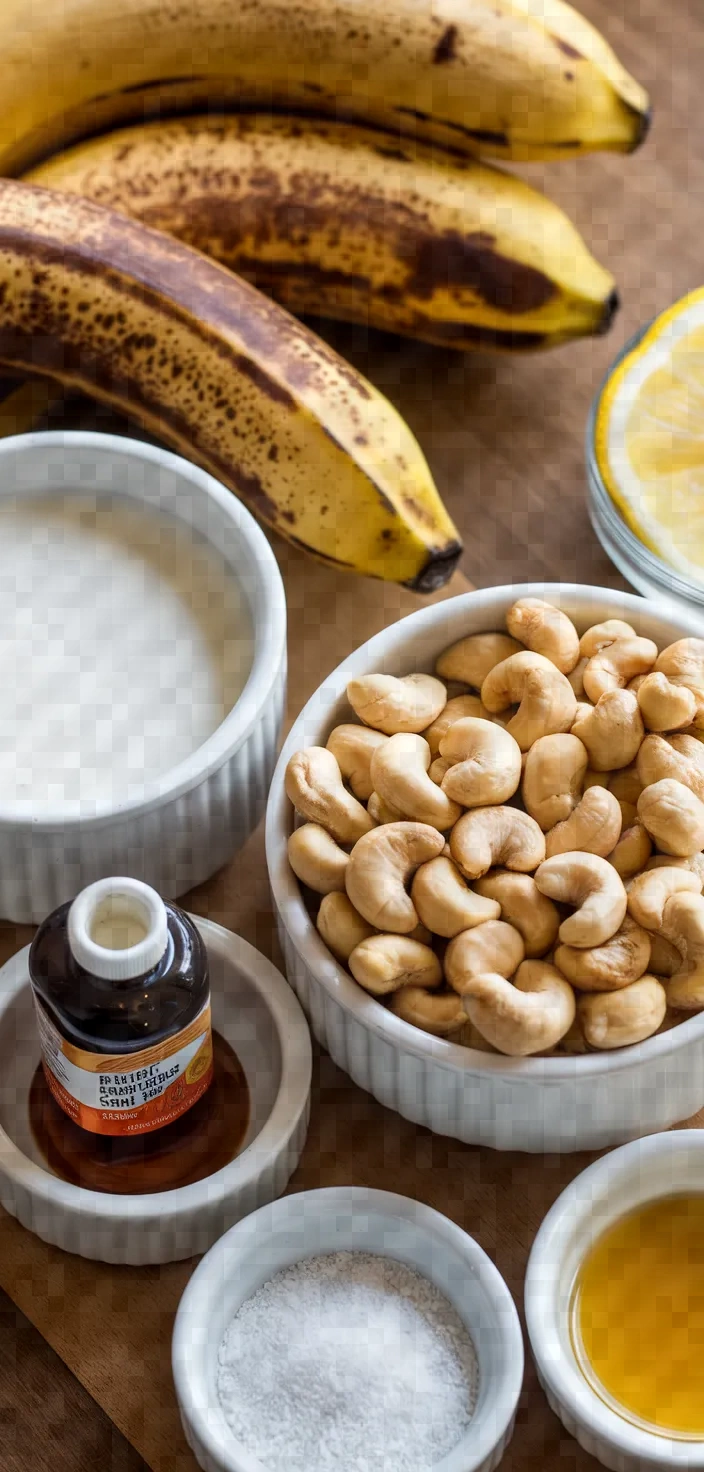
(649,436)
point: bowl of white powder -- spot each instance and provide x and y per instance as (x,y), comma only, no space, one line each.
(348,1329)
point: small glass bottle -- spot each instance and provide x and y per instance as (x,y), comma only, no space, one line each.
(122,997)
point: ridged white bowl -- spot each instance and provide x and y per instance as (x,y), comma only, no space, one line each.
(539,1104)
(188,823)
(256,1012)
(347,1219)
(663,1165)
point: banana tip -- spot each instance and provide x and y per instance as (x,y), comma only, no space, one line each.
(611,306)
(642,128)
(438,569)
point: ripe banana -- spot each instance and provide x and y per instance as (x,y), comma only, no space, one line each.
(225,376)
(521,79)
(331,219)
(23,406)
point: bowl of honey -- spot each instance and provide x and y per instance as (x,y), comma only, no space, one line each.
(154,1080)
(615,1305)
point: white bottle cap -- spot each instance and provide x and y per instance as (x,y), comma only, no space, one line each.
(117,928)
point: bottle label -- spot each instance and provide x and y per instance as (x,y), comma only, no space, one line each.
(132,1093)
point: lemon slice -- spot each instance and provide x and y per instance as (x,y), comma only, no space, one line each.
(649,436)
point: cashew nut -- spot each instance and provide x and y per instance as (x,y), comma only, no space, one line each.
(626,784)
(594,827)
(455,710)
(316,859)
(683,663)
(546,700)
(613,666)
(469,660)
(673,816)
(664,706)
(607,968)
(314,785)
(391,705)
(593,886)
(382,963)
(664,959)
(531,913)
(612,730)
(494,947)
(440,1013)
(353,747)
(340,926)
(399,774)
(469,1036)
(383,812)
(695,864)
(525,1016)
(552,778)
(445,903)
(649,892)
(490,836)
(546,630)
(485,763)
(576,677)
(599,635)
(636,683)
(381,865)
(438,769)
(632,851)
(679,756)
(683,926)
(618,1019)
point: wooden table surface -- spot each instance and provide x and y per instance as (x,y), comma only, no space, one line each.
(505,440)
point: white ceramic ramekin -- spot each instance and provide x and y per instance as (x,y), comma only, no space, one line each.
(201,811)
(662,1165)
(256,1012)
(341,1219)
(541,1104)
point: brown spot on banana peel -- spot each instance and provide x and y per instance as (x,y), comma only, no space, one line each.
(198,328)
(567,49)
(473,263)
(446,48)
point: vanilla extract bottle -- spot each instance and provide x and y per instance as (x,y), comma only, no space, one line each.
(134,1093)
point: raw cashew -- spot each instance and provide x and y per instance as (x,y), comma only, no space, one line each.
(525,1016)
(486,763)
(391,705)
(445,903)
(316,859)
(695,864)
(381,865)
(314,785)
(455,710)
(382,963)
(471,659)
(552,778)
(383,812)
(594,826)
(576,677)
(546,700)
(437,769)
(632,851)
(399,773)
(593,886)
(673,816)
(492,947)
(353,746)
(469,1036)
(683,663)
(340,926)
(648,893)
(613,666)
(607,968)
(618,1019)
(490,836)
(546,630)
(612,730)
(531,913)
(440,1013)
(599,635)
(665,960)
(683,926)
(664,706)
(679,756)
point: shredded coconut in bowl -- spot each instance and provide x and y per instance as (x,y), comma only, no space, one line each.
(348,1362)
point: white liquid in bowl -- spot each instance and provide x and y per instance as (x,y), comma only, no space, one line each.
(124,642)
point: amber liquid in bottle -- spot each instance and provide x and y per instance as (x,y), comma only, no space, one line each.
(159,1013)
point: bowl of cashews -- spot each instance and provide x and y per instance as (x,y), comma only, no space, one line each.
(485,840)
